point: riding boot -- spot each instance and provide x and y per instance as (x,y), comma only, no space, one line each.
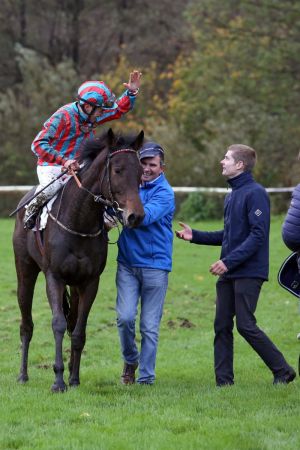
(32,210)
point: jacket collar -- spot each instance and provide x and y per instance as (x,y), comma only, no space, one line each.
(150,184)
(240,180)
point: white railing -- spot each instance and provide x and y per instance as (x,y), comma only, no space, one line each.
(225,190)
(185,190)
(15,188)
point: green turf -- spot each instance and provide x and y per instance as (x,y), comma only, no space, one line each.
(184,409)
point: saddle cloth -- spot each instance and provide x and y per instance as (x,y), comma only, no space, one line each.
(44,214)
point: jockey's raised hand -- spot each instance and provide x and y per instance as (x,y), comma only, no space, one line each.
(134,82)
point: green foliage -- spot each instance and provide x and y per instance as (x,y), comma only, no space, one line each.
(198,206)
(24,108)
(240,83)
(183,409)
(227,72)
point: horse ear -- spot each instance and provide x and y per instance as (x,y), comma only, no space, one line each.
(111,138)
(138,142)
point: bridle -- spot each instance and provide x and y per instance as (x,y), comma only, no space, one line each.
(98,198)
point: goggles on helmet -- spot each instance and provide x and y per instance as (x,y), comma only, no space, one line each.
(108,104)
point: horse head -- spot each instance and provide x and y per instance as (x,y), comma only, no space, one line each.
(119,173)
(125,172)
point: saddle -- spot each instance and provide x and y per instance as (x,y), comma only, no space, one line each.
(289,276)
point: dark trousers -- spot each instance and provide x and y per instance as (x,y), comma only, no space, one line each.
(238,297)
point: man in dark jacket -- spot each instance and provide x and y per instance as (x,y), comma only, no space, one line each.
(242,268)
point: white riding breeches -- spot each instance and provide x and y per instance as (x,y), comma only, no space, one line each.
(46,174)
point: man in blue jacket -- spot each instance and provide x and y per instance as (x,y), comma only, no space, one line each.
(242,267)
(144,262)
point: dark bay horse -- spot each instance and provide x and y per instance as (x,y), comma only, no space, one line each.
(74,249)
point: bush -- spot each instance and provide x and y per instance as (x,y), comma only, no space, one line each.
(199,206)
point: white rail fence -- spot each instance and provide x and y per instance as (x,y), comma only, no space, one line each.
(185,190)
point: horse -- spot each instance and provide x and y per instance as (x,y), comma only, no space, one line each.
(72,253)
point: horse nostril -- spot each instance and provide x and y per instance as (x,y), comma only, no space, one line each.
(131,220)
(134,220)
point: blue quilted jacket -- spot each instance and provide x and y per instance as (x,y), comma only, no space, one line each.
(291,224)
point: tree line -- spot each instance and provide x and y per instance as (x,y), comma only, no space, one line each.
(214,73)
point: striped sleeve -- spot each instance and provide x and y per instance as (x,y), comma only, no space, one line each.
(52,131)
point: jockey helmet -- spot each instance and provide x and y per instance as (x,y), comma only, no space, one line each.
(96,94)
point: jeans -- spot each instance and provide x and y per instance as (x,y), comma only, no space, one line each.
(238,297)
(150,286)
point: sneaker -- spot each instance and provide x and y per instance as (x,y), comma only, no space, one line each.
(128,375)
(287,378)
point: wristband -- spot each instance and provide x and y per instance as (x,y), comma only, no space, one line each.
(133,92)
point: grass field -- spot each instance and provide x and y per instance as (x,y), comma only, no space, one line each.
(184,409)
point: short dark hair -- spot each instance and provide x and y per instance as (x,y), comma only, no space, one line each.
(245,154)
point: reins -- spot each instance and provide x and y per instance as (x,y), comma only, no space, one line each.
(76,233)
(97,198)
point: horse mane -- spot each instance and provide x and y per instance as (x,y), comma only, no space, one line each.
(92,147)
(122,141)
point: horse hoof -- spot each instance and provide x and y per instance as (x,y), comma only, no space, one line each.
(22,379)
(59,387)
(74,384)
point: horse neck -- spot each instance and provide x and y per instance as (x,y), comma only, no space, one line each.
(82,208)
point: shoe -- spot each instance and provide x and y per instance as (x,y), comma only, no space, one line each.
(287,378)
(145,383)
(128,375)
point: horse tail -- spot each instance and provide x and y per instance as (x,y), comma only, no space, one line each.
(70,308)
(66,305)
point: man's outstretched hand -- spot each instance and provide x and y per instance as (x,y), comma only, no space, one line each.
(186,234)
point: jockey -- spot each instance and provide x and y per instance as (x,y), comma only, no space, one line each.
(57,144)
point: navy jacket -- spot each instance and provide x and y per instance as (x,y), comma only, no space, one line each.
(291,225)
(245,237)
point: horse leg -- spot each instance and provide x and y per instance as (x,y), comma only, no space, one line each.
(27,273)
(86,299)
(55,292)
(72,319)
